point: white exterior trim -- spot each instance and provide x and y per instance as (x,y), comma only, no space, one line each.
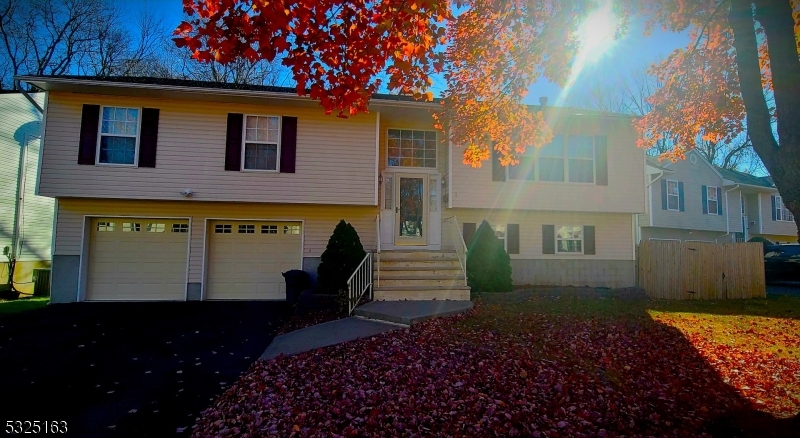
(42,132)
(760,219)
(378,156)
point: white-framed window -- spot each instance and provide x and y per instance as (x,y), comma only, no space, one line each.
(500,233)
(388,194)
(411,148)
(269,229)
(525,170)
(781,212)
(713,202)
(134,227)
(223,228)
(247,229)
(674,196)
(105,226)
(261,143)
(580,159)
(180,228)
(551,160)
(291,229)
(118,142)
(569,239)
(156,228)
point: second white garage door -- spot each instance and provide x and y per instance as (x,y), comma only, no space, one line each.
(246,259)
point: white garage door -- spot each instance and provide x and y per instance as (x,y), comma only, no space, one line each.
(246,259)
(137,259)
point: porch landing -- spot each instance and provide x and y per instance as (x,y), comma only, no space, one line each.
(411,312)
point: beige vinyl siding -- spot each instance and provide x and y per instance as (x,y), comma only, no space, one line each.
(694,177)
(776,228)
(335,161)
(319,221)
(474,188)
(613,231)
(18,119)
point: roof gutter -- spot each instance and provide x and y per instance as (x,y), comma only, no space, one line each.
(28,96)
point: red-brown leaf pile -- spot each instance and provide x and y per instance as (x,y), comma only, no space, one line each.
(560,377)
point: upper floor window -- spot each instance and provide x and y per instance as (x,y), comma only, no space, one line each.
(781,212)
(551,160)
(571,161)
(525,169)
(713,202)
(673,195)
(411,148)
(261,143)
(119,136)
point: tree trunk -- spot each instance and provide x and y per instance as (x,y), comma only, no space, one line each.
(781,157)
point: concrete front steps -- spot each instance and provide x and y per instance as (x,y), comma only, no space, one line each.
(420,275)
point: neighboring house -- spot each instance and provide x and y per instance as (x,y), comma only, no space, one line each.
(691,200)
(26,220)
(184,190)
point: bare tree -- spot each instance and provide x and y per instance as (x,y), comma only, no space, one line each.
(629,95)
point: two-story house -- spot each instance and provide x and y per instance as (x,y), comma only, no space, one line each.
(26,220)
(692,200)
(184,190)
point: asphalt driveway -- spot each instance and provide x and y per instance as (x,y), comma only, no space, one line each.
(128,369)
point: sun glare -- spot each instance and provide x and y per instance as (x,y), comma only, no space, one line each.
(596,34)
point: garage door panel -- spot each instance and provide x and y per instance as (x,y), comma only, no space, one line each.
(249,265)
(148,264)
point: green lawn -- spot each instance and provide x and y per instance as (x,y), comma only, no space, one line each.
(22,305)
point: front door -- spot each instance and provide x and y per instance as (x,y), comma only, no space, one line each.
(411,209)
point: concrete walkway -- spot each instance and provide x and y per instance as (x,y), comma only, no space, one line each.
(411,312)
(326,334)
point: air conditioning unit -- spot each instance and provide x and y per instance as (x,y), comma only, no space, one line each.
(41,282)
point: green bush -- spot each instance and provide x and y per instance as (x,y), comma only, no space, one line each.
(488,263)
(341,257)
(764,241)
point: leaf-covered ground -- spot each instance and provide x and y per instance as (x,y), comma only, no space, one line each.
(540,367)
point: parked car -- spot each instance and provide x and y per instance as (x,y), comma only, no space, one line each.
(782,262)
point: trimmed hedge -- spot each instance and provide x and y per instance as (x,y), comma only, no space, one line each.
(488,263)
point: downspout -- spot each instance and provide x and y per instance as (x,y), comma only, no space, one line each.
(646,205)
(727,213)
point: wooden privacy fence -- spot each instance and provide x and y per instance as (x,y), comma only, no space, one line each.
(701,271)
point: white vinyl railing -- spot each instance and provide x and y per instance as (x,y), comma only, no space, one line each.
(378,251)
(453,239)
(359,283)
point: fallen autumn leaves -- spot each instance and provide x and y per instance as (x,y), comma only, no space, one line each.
(553,375)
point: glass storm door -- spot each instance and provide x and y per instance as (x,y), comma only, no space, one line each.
(411,208)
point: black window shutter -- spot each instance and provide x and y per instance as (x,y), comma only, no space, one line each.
(87,148)
(288,144)
(588,240)
(681,206)
(705,199)
(233,142)
(512,238)
(774,214)
(548,239)
(663,194)
(601,160)
(148,140)
(498,170)
(469,232)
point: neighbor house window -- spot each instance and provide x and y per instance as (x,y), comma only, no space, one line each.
(291,229)
(580,159)
(781,212)
(261,143)
(525,169)
(713,202)
(569,239)
(551,160)
(119,134)
(411,148)
(156,228)
(673,195)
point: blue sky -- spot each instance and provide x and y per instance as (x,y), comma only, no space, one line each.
(631,52)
